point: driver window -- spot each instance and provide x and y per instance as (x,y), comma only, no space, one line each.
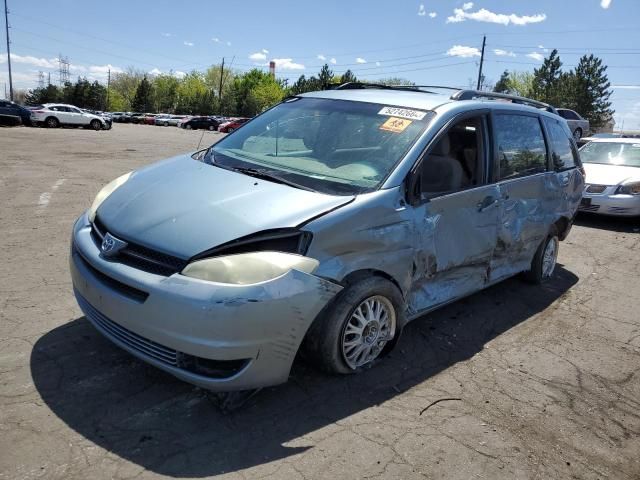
(454,163)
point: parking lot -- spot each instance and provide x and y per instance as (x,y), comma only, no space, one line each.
(531,382)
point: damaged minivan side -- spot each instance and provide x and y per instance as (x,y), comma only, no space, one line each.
(324,224)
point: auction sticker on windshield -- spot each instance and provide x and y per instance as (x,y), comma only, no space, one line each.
(395,125)
(402,113)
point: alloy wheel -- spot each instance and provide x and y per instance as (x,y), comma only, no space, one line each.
(371,326)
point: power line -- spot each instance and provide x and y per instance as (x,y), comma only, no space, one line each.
(6,25)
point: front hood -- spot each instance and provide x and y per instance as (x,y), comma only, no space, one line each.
(599,174)
(182,207)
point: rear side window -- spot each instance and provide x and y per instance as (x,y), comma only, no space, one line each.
(520,145)
(563,153)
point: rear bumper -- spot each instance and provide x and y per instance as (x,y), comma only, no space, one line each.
(245,336)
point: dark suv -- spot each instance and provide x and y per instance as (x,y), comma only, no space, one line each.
(12,109)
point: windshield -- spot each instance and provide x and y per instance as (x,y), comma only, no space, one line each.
(611,153)
(333,146)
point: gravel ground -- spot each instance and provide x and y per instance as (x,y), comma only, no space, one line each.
(545,379)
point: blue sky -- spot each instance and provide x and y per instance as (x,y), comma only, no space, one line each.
(430,41)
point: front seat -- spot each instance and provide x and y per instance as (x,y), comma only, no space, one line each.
(441,172)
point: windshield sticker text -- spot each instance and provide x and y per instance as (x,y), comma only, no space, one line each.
(402,113)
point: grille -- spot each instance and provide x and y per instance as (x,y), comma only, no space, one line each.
(140,257)
(134,341)
(122,288)
(596,188)
(168,356)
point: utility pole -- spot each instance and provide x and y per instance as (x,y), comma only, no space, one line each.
(106,108)
(49,79)
(220,88)
(6,24)
(484,41)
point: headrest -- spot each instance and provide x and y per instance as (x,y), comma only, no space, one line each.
(443,147)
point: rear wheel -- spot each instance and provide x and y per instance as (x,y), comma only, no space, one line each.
(52,122)
(544,261)
(230,130)
(95,124)
(188,127)
(361,324)
(211,128)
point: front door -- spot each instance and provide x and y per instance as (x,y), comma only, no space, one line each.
(457,223)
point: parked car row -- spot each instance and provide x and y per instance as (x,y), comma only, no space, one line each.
(188,122)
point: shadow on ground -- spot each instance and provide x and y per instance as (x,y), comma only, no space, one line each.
(169,427)
(603,222)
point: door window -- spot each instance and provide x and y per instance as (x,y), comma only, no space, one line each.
(563,151)
(455,162)
(520,145)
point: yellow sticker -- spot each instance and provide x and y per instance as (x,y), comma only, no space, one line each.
(395,125)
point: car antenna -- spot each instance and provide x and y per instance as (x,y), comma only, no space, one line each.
(201,137)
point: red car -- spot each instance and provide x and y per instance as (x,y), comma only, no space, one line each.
(232,125)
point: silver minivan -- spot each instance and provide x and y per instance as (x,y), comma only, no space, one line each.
(324,224)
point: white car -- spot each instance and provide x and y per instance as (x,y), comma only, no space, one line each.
(53,115)
(613,176)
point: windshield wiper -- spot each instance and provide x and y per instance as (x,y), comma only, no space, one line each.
(268,175)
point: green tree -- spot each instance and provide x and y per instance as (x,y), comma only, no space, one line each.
(243,85)
(48,94)
(592,91)
(546,79)
(325,77)
(142,101)
(191,94)
(125,84)
(165,88)
(394,81)
(348,77)
(502,86)
(264,95)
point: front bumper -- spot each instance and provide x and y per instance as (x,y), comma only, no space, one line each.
(252,333)
(609,203)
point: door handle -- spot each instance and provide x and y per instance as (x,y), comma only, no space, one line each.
(487,203)
(564,181)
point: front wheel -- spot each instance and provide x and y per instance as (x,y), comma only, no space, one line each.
(361,324)
(211,128)
(188,127)
(96,125)
(544,261)
(230,130)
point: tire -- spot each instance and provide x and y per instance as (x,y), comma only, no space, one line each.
(96,125)
(166,124)
(188,127)
(52,122)
(544,260)
(331,343)
(577,134)
(211,128)
(230,130)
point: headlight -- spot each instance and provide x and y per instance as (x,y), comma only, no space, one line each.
(107,190)
(631,188)
(248,268)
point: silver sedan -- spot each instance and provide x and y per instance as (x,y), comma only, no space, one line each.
(613,176)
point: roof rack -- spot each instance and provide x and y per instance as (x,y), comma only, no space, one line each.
(413,88)
(472,94)
(460,93)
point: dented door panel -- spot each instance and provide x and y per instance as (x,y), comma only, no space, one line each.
(527,210)
(455,239)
